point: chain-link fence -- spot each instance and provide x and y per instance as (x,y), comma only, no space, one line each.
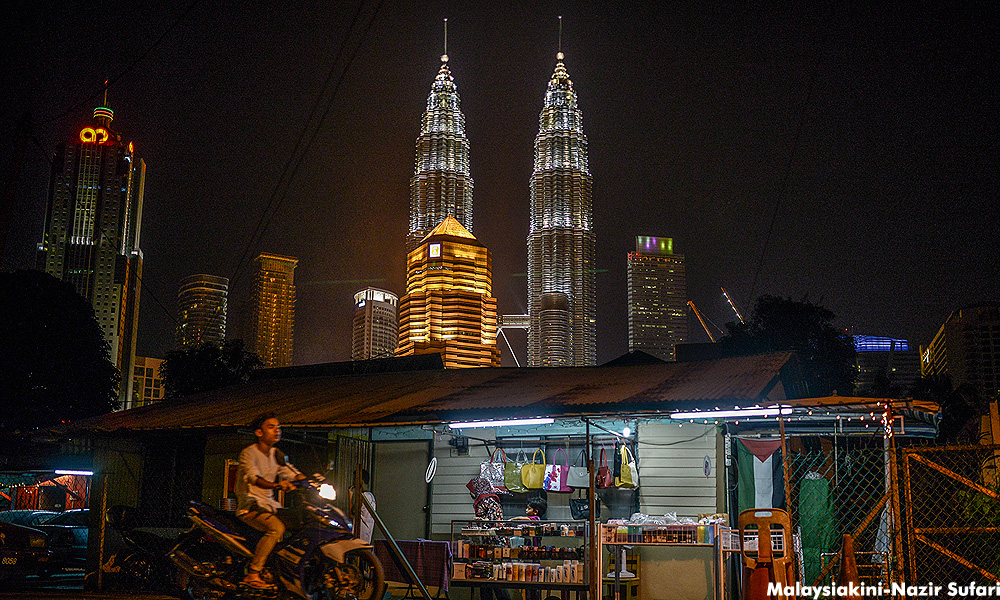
(843,486)
(952,516)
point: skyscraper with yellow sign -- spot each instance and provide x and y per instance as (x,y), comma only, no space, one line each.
(449,307)
(91,233)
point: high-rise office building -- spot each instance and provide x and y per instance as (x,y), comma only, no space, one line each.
(201,310)
(657,297)
(449,307)
(147,385)
(91,233)
(879,356)
(375,333)
(967,348)
(561,295)
(441,184)
(273,317)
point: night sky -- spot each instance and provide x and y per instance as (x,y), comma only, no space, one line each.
(868,134)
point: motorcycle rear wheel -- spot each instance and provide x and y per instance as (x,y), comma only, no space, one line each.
(359,577)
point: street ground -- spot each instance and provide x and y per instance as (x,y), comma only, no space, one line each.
(67,586)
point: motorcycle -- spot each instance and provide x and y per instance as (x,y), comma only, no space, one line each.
(321,560)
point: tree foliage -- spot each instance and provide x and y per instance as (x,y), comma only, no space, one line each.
(55,364)
(961,408)
(827,354)
(206,367)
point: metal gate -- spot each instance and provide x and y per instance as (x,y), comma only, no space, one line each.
(350,451)
(952,502)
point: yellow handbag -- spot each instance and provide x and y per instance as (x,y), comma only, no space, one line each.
(533,474)
(630,473)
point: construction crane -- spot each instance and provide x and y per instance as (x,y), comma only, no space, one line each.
(701,320)
(733,305)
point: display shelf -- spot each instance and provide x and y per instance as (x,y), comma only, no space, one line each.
(546,555)
(714,536)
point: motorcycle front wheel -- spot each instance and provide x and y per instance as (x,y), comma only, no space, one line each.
(359,577)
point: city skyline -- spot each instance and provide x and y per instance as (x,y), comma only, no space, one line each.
(859,133)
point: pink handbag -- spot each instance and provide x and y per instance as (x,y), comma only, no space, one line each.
(555,475)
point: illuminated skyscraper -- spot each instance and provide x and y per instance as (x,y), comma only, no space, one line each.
(376,325)
(273,319)
(441,184)
(657,297)
(561,297)
(967,348)
(91,234)
(448,307)
(201,310)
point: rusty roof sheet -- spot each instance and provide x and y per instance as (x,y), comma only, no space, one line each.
(434,396)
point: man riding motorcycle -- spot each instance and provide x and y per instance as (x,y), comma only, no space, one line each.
(260,473)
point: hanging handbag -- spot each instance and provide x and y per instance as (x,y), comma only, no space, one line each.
(630,473)
(555,475)
(604,478)
(580,508)
(493,471)
(512,473)
(617,464)
(578,477)
(532,474)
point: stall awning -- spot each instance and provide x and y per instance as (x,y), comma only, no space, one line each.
(308,398)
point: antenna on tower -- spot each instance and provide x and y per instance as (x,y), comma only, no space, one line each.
(444,57)
(559,55)
(106,92)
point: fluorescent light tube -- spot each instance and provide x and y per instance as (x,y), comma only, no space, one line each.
(739,412)
(63,472)
(506,423)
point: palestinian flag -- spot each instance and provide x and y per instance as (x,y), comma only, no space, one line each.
(760,479)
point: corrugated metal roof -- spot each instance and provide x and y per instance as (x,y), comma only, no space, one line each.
(433,396)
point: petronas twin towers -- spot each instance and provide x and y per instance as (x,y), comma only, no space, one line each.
(561,298)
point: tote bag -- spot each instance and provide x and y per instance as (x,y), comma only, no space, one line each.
(512,473)
(604,479)
(630,473)
(578,476)
(494,471)
(533,474)
(555,475)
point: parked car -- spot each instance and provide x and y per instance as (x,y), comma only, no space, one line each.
(67,538)
(27,518)
(23,551)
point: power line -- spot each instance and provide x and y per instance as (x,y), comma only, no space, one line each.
(113,80)
(295,158)
(818,57)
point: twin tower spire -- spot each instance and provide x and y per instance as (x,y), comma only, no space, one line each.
(561,298)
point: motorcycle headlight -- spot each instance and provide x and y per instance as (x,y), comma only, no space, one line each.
(327,492)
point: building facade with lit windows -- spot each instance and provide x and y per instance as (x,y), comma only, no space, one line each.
(449,306)
(91,233)
(147,385)
(880,356)
(441,184)
(375,331)
(657,298)
(967,348)
(201,310)
(562,304)
(273,317)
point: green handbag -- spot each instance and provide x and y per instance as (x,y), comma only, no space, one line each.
(533,474)
(512,473)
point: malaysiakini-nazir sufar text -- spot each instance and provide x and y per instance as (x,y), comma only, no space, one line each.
(953,589)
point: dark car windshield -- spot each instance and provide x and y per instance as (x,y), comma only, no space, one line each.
(74,517)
